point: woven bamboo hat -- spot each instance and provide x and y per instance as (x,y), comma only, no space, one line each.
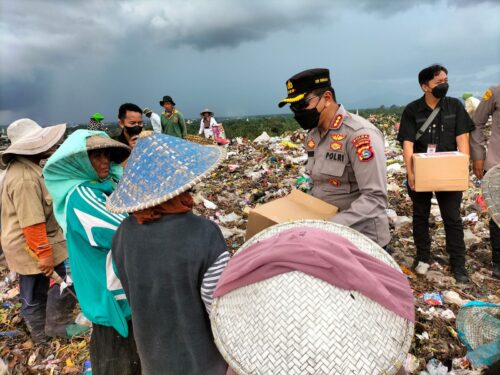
(160,168)
(491,192)
(294,323)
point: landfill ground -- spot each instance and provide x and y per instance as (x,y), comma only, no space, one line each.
(257,172)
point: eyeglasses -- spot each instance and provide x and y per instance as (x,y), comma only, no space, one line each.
(302,104)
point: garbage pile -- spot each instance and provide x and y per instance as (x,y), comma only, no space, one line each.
(257,171)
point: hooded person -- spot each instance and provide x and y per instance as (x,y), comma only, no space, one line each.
(169,259)
(80,176)
(313,297)
(33,243)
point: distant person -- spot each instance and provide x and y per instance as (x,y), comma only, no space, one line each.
(346,155)
(29,226)
(95,122)
(470,103)
(172,121)
(486,155)
(207,122)
(130,123)
(155,120)
(80,176)
(169,259)
(448,131)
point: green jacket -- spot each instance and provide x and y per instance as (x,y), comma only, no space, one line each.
(174,124)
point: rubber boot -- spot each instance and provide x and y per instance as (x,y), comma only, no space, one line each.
(495,248)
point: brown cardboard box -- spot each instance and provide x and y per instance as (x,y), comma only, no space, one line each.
(441,171)
(295,206)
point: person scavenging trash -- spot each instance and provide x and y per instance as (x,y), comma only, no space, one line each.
(206,123)
(313,291)
(30,231)
(95,122)
(172,121)
(154,118)
(346,158)
(80,176)
(169,259)
(447,131)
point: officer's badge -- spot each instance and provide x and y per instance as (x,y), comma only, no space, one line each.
(338,122)
(487,95)
(365,153)
(311,143)
(337,137)
(334,182)
(289,86)
(361,140)
(336,146)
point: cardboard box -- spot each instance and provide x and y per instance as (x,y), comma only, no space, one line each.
(441,171)
(295,206)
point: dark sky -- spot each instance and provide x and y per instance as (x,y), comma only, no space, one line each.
(61,61)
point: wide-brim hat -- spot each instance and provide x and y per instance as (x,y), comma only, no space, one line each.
(167,99)
(97,116)
(29,138)
(491,192)
(118,151)
(206,110)
(160,168)
(304,82)
(294,323)
(147,111)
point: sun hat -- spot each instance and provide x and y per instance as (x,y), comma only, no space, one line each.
(29,138)
(206,110)
(119,151)
(160,168)
(491,192)
(167,99)
(147,111)
(294,323)
(97,116)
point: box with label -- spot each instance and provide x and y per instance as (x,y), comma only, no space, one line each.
(295,206)
(441,171)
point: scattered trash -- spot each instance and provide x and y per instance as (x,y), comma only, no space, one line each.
(82,320)
(433,299)
(209,205)
(230,218)
(471,218)
(452,297)
(394,168)
(422,268)
(423,336)
(435,367)
(411,363)
(447,314)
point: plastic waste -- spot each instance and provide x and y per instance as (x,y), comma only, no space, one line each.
(411,363)
(435,367)
(452,297)
(433,299)
(87,368)
(422,268)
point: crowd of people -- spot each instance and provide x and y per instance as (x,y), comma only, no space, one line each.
(146,269)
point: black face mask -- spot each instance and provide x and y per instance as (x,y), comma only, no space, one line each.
(133,130)
(440,90)
(307,118)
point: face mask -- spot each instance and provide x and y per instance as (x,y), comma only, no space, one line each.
(440,90)
(307,118)
(133,130)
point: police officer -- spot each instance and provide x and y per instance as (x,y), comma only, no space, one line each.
(346,155)
(448,131)
(483,160)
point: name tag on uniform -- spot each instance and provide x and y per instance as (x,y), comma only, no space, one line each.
(431,149)
(335,156)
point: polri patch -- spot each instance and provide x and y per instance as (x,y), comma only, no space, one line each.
(311,143)
(487,95)
(360,140)
(337,156)
(336,146)
(337,137)
(338,122)
(334,182)
(365,153)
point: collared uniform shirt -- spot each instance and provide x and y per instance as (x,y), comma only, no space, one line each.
(26,202)
(489,106)
(451,121)
(348,168)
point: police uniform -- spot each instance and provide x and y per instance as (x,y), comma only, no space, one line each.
(489,106)
(348,167)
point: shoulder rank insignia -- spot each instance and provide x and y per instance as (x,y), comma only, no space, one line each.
(336,146)
(337,137)
(360,140)
(311,143)
(338,122)
(334,182)
(487,95)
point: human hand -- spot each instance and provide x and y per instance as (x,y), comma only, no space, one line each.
(478,168)
(411,181)
(46,265)
(132,141)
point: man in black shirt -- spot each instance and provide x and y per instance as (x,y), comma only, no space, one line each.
(448,131)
